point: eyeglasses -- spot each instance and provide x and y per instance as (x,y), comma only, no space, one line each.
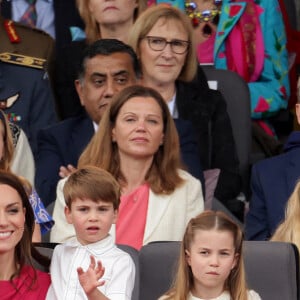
(208,15)
(158,44)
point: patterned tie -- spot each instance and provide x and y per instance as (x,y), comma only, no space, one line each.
(29,17)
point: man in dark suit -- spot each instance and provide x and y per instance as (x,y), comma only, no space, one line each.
(64,15)
(107,67)
(24,56)
(272,182)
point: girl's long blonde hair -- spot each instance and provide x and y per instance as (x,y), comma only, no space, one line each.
(184,280)
(289,229)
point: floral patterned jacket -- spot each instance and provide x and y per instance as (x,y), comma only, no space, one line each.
(271,91)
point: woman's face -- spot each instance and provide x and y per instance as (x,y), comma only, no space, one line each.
(163,66)
(204,29)
(113,11)
(12,219)
(138,130)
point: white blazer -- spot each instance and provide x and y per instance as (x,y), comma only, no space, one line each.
(167,215)
(23,162)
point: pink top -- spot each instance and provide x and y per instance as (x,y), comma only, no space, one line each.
(36,292)
(205,50)
(131,222)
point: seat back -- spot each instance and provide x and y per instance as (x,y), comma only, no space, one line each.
(271,269)
(157,268)
(46,249)
(237,96)
(135,257)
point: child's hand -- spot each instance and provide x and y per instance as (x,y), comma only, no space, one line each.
(89,280)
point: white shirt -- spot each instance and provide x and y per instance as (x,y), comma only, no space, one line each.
(119,273)
(96,126)
(252,295)
(44,10)
(173,108)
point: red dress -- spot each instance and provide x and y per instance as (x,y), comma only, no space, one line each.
(20,289)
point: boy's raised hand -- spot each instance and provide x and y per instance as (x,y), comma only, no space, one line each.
(89,279)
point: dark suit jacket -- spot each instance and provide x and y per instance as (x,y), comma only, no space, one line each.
(59,145)
(272,182)
(62,144)
(66,15)
(66,69)
(34,106)
(206,110)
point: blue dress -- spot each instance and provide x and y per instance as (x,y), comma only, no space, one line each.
(41,216)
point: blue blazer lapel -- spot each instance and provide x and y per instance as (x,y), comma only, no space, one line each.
(231,13)
(292,171)
(82,135)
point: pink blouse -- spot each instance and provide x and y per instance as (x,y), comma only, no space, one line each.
(205,50)
(131,221)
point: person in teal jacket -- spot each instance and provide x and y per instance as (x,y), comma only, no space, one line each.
(247,37)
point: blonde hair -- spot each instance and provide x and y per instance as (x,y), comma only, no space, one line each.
(91,26)
(8,145)
(102,152)
(184,280)
(289,229)
(149,18)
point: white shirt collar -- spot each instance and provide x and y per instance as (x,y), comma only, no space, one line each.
(172,107)
(96,126)
(96,248)
(224,296)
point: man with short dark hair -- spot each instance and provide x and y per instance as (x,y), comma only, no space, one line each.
(107,67)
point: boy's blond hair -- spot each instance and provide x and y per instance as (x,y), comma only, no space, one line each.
(93,183)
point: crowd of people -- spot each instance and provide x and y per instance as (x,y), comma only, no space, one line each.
(108,129)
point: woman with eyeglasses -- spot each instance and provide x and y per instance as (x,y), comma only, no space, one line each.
(247,37)
(163,40)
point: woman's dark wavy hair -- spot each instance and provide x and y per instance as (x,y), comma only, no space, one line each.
(24,250)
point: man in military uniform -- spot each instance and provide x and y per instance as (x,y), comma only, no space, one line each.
(55,17)
(25,58)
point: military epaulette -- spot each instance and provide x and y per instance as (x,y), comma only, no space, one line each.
(23,60)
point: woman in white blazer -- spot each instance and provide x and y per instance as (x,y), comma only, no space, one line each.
(138,143)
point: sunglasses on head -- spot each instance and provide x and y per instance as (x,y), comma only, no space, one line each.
(207,15)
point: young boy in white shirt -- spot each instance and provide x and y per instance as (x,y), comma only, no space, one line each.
(92,198)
